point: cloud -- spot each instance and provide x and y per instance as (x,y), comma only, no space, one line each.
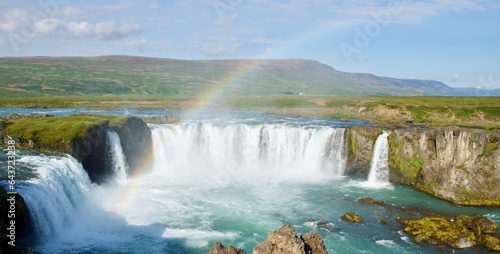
(13,20)
(408,11)
(214,50)
(70,11)
(19,21)
(454,78)
(135,44)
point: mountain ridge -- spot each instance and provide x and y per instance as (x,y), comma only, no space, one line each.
(136,75)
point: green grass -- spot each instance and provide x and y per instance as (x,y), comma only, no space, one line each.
(435,111)
(57,132)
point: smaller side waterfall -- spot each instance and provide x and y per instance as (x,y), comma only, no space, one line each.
(116,156)
(379,169)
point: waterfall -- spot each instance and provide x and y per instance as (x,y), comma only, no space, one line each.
(242,151)
(379,169)
(53,197)
(116,157)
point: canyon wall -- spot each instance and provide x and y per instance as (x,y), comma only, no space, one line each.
(461,166)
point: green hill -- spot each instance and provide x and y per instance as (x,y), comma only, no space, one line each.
(126,75)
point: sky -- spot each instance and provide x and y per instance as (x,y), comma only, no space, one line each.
(453,41)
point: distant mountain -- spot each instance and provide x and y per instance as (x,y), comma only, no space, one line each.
(39,76)
(472,91)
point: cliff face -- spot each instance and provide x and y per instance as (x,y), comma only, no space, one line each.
(461,166)
(84,137)
(361,142)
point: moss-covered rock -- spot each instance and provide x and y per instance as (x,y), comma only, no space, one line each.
(461,166)
(351,217)
(361,142)
(456,232)
(83,137)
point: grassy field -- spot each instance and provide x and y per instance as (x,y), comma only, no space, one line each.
(474,112)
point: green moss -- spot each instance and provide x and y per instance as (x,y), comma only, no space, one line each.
(490,149)
(408,167)
(58,132)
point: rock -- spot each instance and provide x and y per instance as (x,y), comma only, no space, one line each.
(458,165)
(166,119)
(21,221)
(383,221)
(370,201)
(221,249)
(285,240)
(456,232)
(361,142)
(351,217)
(136,141)
(313,243)
(491,243)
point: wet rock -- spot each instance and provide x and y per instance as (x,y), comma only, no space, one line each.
(221,249)
(370,201)
(166,119)
(491,243)
(21,220)
(351,217)
(285,240)
(456,232)
(313,243)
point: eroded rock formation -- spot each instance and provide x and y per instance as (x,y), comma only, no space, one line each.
(461,166)
(285,240)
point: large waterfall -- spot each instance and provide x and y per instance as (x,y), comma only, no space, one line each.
(54,195)
(225,153)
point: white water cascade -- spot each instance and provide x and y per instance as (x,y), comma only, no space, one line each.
(116,156)
(379,169)
(241,151)
(54,196)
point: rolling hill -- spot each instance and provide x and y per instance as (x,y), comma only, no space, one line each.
(127,75)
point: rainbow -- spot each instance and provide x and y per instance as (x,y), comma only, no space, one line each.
(215,91)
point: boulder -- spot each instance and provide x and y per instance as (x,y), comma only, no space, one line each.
(351,217)
(313,243)
(285,241)
(456,232)
(221,249)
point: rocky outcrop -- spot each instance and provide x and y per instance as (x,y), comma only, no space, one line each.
(221,249)
(456,232)
(83,137)
(10,203)
(166,119)
(285,240)
(351,217)
(136,141)
(461,166)
(361,142)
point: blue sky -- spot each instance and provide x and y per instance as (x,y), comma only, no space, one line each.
(454,41)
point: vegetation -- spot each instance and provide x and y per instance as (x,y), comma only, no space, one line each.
(127,75)
(390,112)
(55,132)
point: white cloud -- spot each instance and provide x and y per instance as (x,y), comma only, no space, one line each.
(70,11)
(13,20)
(407,11)
(135,44)
(454,78)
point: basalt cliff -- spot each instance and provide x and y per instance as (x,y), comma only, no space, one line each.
(458,165)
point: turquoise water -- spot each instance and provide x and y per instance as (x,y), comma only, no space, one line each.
(157,215)
(232,182)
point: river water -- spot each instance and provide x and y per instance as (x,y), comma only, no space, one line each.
(230,177)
